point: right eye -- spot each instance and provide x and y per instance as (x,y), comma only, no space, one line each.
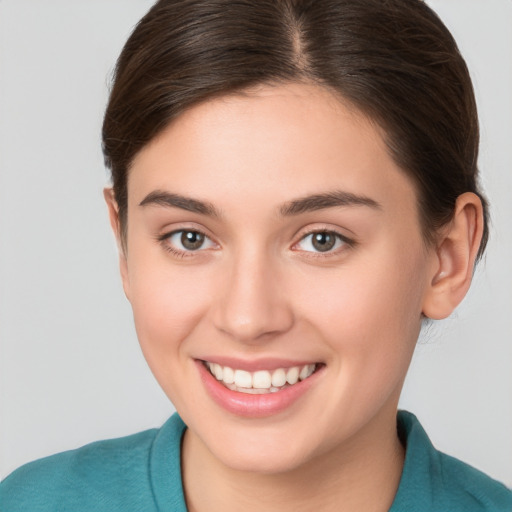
(186,241)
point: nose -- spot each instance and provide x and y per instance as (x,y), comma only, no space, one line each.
(253,305)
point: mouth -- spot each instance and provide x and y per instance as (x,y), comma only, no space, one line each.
(262,381)
(259,389)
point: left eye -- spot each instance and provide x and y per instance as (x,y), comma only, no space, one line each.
(186,241)
(321,241)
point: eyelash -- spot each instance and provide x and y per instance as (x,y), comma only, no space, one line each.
(347,243)
(164,240)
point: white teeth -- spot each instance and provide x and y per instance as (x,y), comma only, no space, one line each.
(217,371)
(262,381)
(229,375)
(305,371)
(278,378)
(252,391)
(292,375)
(243,379)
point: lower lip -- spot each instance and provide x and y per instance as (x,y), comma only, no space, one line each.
(254,406)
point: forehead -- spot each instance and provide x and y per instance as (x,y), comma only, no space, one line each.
(273,142)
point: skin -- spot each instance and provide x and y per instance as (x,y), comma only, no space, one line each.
(258,289)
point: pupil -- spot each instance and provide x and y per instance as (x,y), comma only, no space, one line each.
(192,240)
(323,241)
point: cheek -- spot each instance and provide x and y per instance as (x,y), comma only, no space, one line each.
(370,319)
(375,298)
(168,303)
(369,313)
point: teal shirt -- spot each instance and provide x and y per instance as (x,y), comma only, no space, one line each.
(142,473)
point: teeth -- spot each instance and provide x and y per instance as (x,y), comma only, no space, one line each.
(228,375)
(217,371)
(278,377)
(243,379)
(262,381)
(292,376)
(306,371)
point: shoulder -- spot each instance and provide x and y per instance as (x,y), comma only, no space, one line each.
(434,481)
(105,475)
(464,483)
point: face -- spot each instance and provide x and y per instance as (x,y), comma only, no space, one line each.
(273,242)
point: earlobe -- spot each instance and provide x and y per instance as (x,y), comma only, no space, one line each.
(454,258)
(113,213)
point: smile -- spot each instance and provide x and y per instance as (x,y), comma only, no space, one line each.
(258,389)
(261,381)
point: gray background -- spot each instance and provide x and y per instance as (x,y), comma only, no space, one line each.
(70,367)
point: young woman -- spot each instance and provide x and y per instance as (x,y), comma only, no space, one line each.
(294,194)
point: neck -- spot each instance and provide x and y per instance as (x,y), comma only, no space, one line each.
(362,474)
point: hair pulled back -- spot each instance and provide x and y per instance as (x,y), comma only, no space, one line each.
(394,60)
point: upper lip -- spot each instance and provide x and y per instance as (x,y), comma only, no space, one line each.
(253,365)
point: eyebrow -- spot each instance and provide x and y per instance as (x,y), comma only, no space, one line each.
(336,198)
(168,199)
(314,202)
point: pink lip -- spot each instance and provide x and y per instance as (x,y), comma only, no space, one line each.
(254,406)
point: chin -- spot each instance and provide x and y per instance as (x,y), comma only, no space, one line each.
(262,462)
(263,451)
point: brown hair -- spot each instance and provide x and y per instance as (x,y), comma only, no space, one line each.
(394,60)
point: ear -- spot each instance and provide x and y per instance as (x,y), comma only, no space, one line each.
(454,258)
(113,213)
